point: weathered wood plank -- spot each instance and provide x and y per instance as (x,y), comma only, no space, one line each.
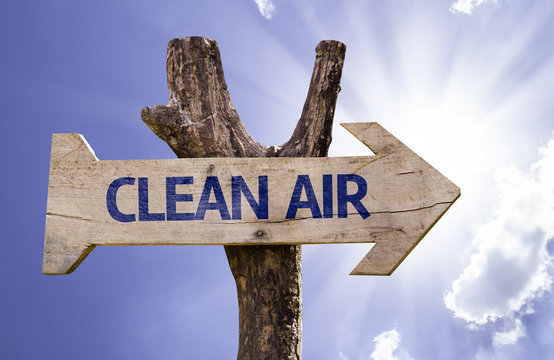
(404,197)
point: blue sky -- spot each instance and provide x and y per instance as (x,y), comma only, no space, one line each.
(466,84)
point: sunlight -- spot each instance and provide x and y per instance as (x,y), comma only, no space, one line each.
(449,100)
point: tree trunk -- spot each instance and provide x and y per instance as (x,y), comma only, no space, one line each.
(199,120)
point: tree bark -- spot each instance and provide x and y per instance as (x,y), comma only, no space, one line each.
(200,120)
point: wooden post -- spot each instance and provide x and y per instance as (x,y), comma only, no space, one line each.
(200,120)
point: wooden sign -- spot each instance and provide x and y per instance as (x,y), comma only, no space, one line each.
(391,199)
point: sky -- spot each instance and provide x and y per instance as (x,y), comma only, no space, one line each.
(466,84)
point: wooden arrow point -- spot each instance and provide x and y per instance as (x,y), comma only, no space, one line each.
(433,197)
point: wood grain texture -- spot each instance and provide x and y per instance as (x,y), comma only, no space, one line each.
(405,197)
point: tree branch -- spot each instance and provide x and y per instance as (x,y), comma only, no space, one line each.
(312,135)
(199,120)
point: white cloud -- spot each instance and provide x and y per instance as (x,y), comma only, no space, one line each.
(510,336)
(466,6)
(510,267)
(386,347)
(386,344)
(342,357)
(266,8)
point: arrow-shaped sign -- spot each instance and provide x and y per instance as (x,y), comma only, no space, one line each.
(391,199)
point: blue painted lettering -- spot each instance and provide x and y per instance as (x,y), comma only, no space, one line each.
(327,196)
(144,215)
(111,199)
(261,208)
(303,182)
(239,188)
(355,199)
(212,183)
(171,197)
